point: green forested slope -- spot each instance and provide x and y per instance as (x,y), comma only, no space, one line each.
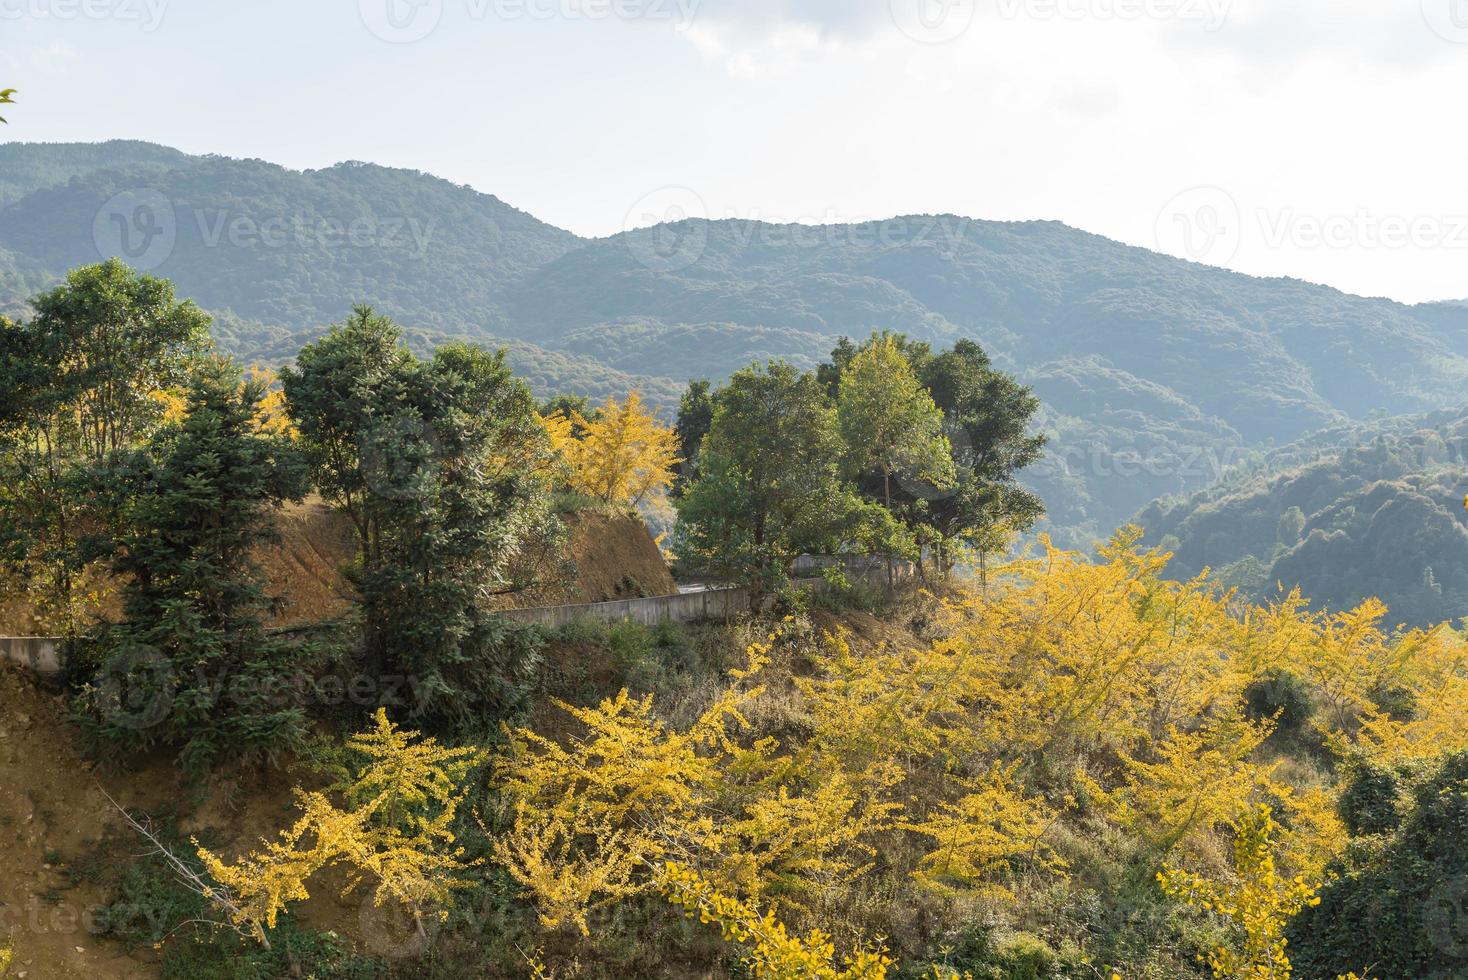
(1374,509)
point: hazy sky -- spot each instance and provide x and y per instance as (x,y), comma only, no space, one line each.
(1322,139)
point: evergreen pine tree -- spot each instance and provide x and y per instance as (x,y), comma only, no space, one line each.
(192,664)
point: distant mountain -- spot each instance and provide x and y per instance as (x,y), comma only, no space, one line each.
(27,167)
(1355,511)
(1156,373)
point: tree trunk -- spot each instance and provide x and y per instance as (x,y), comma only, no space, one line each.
(887,496)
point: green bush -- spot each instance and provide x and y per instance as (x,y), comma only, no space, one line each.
(646,658)
(1369,803)
(987,953)
(1400,907)
(294,952)
(1283,697)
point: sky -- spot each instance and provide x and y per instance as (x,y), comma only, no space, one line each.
(1320,139)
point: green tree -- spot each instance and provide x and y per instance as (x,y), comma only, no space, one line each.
(889,421)
(117,342)
(442,467)
(568,406)
(91,376)
(192,665)
(769,485)
(695,415)
(988,416)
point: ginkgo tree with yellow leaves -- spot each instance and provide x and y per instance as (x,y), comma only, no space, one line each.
(393,831)
(1076,698)
(621,454)
(1258,905)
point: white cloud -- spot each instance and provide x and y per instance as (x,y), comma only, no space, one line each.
(53,59)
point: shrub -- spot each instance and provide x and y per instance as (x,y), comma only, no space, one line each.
(1400,909)
(1369,803)
(1280,694)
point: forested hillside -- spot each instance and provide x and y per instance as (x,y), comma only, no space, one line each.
(1155,373)
(1355,511)
(1060,767)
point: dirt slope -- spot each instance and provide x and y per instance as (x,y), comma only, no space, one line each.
(52,810)
(606,556)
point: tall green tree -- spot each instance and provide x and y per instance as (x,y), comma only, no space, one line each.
(89,378)
(116,343)
(441,466)
(889,422)
(695,415)
(192,664)
(343,388)
(769,485)
(988,416)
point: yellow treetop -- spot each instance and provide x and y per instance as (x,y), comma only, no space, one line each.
(621,455)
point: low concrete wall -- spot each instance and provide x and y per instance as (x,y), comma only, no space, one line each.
(42,653)
(684,608)
(691,607)
(39,653)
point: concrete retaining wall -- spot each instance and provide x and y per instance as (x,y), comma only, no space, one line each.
(686,608)
(39,653)
(42,653)
(694,607)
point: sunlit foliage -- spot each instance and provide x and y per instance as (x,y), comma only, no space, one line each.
(957,772)
(1258,905)
(394,833)
(621,454)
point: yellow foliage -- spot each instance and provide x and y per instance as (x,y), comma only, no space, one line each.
(590,815)
(1195,780)
(395,831)
(770,951)
(1259,904)
(271,416)
(172,403)
(979,840)
(1105,652)
(621,455)
(1096,685)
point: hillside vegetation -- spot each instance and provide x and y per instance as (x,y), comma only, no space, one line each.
(1064,767)
(1156,374)
(1374,509)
